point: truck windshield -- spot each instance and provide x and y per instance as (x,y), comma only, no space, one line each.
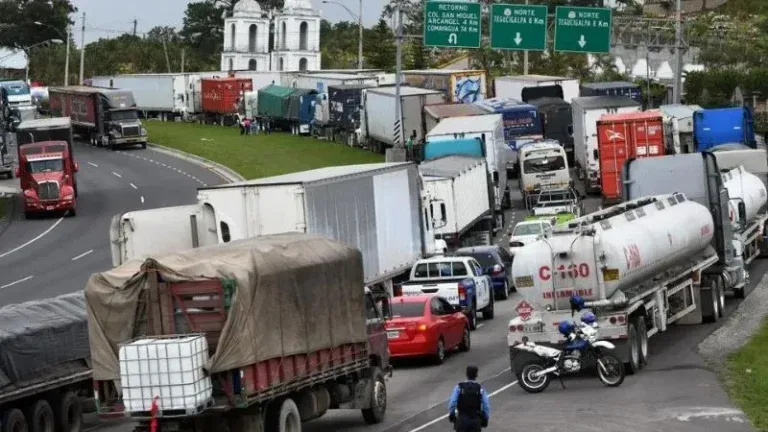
(527,229)
(544,164)
(124,115)
(47,165)
(16,89)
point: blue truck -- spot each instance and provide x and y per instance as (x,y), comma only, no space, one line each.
(522,124)
(717,126)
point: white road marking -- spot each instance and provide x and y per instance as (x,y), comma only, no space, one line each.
(17,282)
(142,199)
(441,418)
(133,185)
(117,175)
(82,255)
(34,239)
(93,164)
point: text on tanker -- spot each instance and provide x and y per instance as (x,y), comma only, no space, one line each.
(632,255)
(567,293)
(573,271)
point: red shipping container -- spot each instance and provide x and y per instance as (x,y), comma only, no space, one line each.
(223,95)
(624,136)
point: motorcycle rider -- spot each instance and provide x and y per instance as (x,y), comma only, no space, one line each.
(471,401)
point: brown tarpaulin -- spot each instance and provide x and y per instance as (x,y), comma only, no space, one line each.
(296,293)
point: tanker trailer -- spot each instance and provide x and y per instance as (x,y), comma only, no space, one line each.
(638,266)
(744,187)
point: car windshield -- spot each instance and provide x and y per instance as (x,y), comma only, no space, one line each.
(544,164)
(124,115)
(407,309)
(48,165)
(486,259)
(527,229)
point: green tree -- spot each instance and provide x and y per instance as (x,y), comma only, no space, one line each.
(18,17)
(379,47)
(203,29)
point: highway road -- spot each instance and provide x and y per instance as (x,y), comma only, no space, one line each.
(43,258)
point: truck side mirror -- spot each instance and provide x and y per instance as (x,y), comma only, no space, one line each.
(742,210)
(595,154)
(77,167)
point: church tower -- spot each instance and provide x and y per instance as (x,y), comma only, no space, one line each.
(246,38)
(297,37)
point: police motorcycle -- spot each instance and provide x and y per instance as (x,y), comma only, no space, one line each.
(581,346)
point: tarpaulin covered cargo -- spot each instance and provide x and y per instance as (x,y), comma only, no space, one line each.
(273,101)
(301,105)
(39,337)
(295,293)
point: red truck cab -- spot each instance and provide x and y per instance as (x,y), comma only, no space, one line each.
(47,174)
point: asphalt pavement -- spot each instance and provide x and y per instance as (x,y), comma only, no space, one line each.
(46,257)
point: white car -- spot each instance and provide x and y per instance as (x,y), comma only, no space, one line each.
(526,232)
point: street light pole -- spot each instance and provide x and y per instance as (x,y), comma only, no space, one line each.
(82,51)
(67,38)
(359,18)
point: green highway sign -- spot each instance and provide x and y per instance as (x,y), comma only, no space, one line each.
(582,29)
(519,27)
(452,24)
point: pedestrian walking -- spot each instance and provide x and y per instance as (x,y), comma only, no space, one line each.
(247,126)
(469,409)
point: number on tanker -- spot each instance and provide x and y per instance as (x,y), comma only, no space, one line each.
(572,271)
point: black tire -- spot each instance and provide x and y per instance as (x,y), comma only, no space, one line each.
(633,365)
(739,293)
(721,295)
(375,414)
(505,292)
(14,421)
(69,413)
(529,383)
(488,311)
(28,215)
(466,341)
(143,145)
(711,297)
(74,186)
(621,370)
(472,317)
(283,416)
(41,418)
(439,355)
(642,341)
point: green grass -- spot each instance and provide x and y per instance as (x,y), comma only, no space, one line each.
(256,156)
(747,378)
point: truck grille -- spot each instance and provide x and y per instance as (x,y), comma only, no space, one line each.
(129,131)
(48,191)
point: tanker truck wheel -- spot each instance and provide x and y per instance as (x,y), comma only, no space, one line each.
(69,413)
(710,312)
(721,295)
(14,421)
(642,340)
(41,417)
(283,416)
(375,414)
(633,365)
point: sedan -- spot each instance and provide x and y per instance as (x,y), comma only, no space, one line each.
(426,326)
(496,263)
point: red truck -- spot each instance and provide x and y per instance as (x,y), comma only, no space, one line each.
(290,329)
(106,117)
(46,168)
(222,98)
(626,136)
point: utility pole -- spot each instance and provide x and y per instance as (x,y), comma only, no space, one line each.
(182,60)
(360,37)
(82,51)
(397,153)
(167,60)
(66,61)
(678,86)
(525,57)
(135,23)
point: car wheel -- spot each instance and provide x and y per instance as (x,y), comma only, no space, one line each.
(472,316)
(488,312)
(505,291)
(440,351)
(466,342)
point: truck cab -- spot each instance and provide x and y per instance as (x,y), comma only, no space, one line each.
(47,176)
(13,94)
(543,166)
(122,125)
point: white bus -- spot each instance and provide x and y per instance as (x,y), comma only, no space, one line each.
(543,166)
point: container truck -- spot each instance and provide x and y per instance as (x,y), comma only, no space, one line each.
(586,112)
(345,108)
(452,135)
(223,98)
(521,125)
(156,94)
(287,107)
(458,86)
(46,375)
(613,88)
(712,127)
(626,136)
(678,122)
(378,208)
(434,113)
(106,117)
(321,84)
(382,129)
(529,87)
(209,321)
(464,216)
(556,118)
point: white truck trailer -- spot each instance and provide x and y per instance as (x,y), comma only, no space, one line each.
(377,208)
(161,94)
(461,185)
(678,125)
(526,88)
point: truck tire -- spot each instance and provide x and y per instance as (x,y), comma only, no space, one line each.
(488,311)
(633,365)
(41,418)
(284,416)
(642,340)
(14,421)
(69,413)
(710,313)
(378,408)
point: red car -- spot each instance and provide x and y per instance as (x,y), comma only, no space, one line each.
(426,326)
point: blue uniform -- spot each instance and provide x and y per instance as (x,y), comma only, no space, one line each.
(464,423)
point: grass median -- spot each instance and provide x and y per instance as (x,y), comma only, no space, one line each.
(747,379)
(255,156)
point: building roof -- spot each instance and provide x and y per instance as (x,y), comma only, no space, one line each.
(247,8)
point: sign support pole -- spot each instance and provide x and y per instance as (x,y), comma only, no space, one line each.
(397,152)
(525,56)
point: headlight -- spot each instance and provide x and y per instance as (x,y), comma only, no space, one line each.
(115,133)
(143,132)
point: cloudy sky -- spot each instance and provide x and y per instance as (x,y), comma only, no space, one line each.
(109,18)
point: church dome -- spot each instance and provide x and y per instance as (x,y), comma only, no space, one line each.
(247,8)
(297,4)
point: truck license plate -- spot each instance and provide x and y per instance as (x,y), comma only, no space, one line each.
(534,328)
(393,334)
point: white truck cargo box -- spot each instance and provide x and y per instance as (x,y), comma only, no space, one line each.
(678,122)
(526,88)
(460,183)
(380,122)
(160,93)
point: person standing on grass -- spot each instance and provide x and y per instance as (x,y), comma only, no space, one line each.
(247,126)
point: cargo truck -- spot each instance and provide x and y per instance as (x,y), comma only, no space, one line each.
(678,123)
(586,112)
(464,216)
(433,114)
(626,136)
(288,108)
(321,85)
(106,117)
(13,94)
(209,321)
(713,127)
(381,127)
(377,208)
(557,122)
(457,86)
(345,109)
(45,384)
(526,88)
(521,125)
(613,88)
(163,94)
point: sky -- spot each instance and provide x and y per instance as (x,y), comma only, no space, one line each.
(110,18)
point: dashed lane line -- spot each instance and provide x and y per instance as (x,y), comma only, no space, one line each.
(117,175)
(82,255)
(93,164)
(202,183)
(16,282)
(133,185)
